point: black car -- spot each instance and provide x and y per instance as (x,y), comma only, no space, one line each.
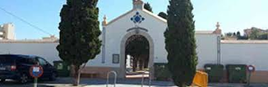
(17,67)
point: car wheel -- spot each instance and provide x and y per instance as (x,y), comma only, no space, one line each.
(2,80)
(53,77)
(23,78)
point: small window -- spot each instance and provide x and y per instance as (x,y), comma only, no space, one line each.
(31,61)
(42,61)
(115,58)
(28,60)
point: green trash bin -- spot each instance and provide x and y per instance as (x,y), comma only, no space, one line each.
(237,73)
(214,71)
(63,69)
(161,71)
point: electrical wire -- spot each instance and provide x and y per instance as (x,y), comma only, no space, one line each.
(30,24)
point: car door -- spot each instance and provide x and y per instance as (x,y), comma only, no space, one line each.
(24,64)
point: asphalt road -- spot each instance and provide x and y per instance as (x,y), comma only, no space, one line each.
(66,82)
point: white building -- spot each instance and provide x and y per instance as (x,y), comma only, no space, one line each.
(7,32)
(138,21)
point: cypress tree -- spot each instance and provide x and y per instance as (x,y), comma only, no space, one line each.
(79,32)
(148,7)
(180,42)
(163,15)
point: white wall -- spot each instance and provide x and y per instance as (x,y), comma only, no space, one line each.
(206,49)
(45,50)
(245,53)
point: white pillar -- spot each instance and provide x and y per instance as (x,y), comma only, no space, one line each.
(103,44)
(104,23)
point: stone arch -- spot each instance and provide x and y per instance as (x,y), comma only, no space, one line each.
(123,48)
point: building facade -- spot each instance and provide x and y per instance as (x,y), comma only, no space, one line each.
(247,32)
(139,21)
(7,31)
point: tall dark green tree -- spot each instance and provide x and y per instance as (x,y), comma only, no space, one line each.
(79,32)
(148,7)
(180,42)
(163,15)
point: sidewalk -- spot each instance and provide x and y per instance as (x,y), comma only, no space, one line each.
(67,82)
(137,83)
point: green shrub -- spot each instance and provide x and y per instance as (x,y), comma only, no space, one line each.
(161,71)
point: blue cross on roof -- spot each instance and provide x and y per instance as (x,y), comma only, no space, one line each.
(137,18)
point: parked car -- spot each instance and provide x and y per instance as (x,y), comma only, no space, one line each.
(17,67)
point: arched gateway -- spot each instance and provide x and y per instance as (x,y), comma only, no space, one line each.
(115,34)
(140,22)
(131,32)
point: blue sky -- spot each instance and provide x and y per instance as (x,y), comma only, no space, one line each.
(233,15)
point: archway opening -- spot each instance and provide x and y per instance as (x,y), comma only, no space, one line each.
(137,57)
